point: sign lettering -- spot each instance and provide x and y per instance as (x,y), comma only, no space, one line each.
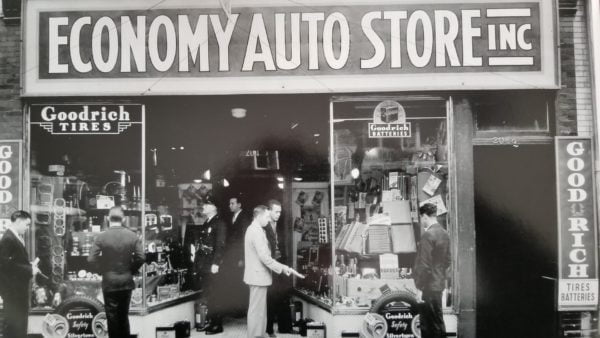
(284,41)
(85,119)
(10,180)
(578,275)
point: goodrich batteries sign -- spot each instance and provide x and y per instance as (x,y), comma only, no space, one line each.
(578,261)
(290,44)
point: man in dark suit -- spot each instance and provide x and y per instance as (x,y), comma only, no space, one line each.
(213,250)
(233,262)
(117,254)
(431,266)
(277,297)
(15,274)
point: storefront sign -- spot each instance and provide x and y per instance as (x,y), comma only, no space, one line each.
(93,119)
(389,121)
(402,318)
(10,180)
(290,42)
(578,261)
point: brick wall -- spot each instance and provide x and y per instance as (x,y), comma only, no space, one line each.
(11,113)
(575,108)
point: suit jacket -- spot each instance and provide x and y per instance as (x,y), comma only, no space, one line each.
(433,259)
(234,248)
(276,244)
(117,254)
(15,268)
(258,260)
(217,232)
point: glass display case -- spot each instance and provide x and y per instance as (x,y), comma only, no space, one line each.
(389,156)
(77,173)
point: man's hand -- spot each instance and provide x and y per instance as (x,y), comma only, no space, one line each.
(34,266)
(296,273)
(214,268)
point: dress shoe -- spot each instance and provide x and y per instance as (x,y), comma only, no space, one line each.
(272,335)
(214,329)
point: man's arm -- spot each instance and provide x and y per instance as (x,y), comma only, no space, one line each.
(94,257)
(138,257)
(8,265)
(423,271)
(220,242)
(259,241)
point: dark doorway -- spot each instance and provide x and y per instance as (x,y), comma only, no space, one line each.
(516,236)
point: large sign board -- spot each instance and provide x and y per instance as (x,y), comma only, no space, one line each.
(577,253)
(11,181)
(168,49)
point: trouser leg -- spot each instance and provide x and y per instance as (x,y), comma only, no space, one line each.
(116,306)
(257,311)
(16,315)
(432,317)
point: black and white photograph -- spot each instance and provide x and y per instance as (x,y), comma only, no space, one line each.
(299,168)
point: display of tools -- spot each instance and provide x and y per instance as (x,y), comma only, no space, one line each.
(59,219)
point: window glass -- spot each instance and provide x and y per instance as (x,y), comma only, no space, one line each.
(390,157)
(85,158)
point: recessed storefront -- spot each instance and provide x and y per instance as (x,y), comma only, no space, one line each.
(349,113)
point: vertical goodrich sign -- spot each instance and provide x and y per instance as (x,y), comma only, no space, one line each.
(10,180)
(577,253)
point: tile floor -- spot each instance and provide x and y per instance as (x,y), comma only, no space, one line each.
(236,328)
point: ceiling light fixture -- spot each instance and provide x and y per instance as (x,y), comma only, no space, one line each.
(206,175)
(238,113)
(279,178)
(298,179)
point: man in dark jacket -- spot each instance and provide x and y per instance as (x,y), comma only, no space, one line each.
(117,254)
(213,250)
(233,263)
(15,274)
(431,266)
(277,296)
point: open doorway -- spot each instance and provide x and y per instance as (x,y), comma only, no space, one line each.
(515,216)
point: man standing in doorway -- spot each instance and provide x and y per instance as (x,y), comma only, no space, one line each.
(431,267)
(117,254)
(257,271)
(233,263)
(277,305)
(15,274)
(213,248)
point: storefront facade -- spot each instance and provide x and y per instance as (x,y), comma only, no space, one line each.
(444,102)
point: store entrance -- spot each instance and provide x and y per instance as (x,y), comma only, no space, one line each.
(515,216)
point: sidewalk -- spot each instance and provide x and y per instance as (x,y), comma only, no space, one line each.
(236,328)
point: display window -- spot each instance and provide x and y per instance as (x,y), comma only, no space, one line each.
(391,157)
(349,172)
(84,159)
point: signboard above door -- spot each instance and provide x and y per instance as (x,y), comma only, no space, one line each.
(275,47)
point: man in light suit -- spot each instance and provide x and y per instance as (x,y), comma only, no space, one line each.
(118,254)
(15,274)
(257,272)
